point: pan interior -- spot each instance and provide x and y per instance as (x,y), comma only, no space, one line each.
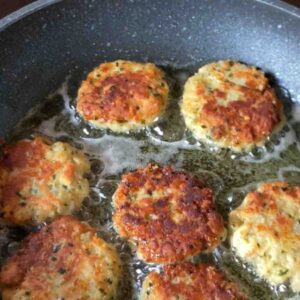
(50,51)
(230,175)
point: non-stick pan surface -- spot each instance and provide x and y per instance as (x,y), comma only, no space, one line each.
(41,43)
(49,41)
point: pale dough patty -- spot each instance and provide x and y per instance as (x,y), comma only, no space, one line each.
(168,214)
(123,95)
(40,180)
(187,281)
(265,232)
(64,260)
(231,105)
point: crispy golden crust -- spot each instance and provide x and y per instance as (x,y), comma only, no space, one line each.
(64,260)
(188,281)
(266,232)
(231,105)
(40,180)
(123,95)
(169,214)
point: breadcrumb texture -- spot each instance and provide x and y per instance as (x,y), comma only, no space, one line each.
(40,180)
(64,260)
(231,105)
(123,95)
(187,281)
(168,214)
(266,232)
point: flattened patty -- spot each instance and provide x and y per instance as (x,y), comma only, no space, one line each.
(64,260)
(187,281)
(40,180)
(123,95)
(169,214)
(231,105)
(265,232)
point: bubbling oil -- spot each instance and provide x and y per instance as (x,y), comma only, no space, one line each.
(229,174)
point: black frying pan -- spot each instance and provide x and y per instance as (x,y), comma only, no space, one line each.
(41,43)
(44,42)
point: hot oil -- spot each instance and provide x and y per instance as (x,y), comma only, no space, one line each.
(230,175)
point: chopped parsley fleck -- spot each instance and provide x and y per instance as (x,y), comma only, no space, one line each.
(56,248)
(62,271)
(283,272)
(102,291)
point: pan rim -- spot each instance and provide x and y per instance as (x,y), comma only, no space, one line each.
(40,4)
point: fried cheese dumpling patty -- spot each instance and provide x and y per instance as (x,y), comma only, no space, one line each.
(64,260)
(123,95)
(188,281)
(169,215)
(40,180)
(265,232)
(231,105)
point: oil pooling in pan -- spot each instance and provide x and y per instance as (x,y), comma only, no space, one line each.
(231,175)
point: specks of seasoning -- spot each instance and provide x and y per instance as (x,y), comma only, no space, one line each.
(108,280)
(62,271)
(283,272)
(23,199)
(56,248)
(102,291)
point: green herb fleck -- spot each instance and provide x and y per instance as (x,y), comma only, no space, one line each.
(62,271)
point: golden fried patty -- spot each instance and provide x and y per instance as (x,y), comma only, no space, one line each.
(168,214)
(40,180)
(266,232)
(187,281)
(231,105)
(64,260)
(123,95)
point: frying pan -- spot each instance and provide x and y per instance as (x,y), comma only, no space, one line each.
(43,43)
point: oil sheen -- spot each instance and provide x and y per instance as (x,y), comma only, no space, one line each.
(230,175)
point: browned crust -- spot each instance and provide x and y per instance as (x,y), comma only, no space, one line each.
(56,240)
(25,180)
(246,121)
(191,281)
(177,224)
(21,162)
(265,201)
(231,105)
(129,95)
(54,256)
